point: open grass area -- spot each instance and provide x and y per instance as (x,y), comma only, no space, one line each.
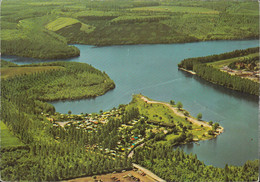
(158,112)
(226,62)
(9,72)
(61,23)
(7,137)
(161,113)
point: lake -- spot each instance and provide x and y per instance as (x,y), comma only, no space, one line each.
(152,70)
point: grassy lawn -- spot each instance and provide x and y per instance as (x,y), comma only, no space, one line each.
(162,113)
(61,23)
(7,138)
(220,64)
(9,72)
(157,112)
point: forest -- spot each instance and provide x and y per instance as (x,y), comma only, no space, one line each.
(57,81)
(250,64)
(41,157)
(175,165)
(45,29)
(37,148)
(50,152)
(204,68)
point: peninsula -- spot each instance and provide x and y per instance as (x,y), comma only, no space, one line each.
(236,70)
(70,146)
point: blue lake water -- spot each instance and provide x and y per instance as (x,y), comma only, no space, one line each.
(152,71)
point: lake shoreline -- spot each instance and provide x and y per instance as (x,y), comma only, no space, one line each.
(163,43)
(189,118)
(123,44)
(156,76)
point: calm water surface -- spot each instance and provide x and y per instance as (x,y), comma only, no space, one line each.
(152,71)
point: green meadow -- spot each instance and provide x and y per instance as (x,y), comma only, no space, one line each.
(221,63)
(8,139)
(160,113)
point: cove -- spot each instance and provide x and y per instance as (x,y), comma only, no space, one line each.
(152,71)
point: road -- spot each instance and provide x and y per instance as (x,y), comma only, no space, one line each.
(149,173)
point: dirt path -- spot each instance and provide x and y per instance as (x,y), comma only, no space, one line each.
(62,124)
(178,113)
(130,155)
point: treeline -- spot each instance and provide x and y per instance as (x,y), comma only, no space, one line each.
(75,81)
(138,19)
(216,76)
(130,114)
(55,161)
(175,165)
(7,64)
(43,45)
(52,153)
(188,63)
(251,63)
(119,5)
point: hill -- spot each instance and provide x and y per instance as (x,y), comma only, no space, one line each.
(44,29)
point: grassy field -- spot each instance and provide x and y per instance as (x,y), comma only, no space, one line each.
(61,23)
(7,138)
(9,72)
(44,29)
(162,114)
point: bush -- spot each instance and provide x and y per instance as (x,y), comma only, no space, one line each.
(199,116)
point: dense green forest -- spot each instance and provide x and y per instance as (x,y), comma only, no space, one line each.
(42,157)
(204,68)
(50,152)
(62,80)
(43,29)
(179,166)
